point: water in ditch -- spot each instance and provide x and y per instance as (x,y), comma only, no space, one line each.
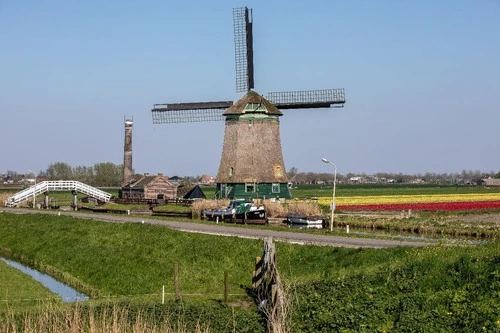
(67,294)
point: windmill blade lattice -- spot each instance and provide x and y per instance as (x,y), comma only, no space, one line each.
(307,99)
(243,44)
(189,112)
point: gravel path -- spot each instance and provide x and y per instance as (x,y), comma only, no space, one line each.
(225,229)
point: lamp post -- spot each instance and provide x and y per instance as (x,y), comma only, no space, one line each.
(34,188)
(333,195)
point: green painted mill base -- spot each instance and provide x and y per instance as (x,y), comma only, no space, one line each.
(252,191)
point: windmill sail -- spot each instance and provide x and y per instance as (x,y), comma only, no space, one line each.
(307,99)
(189,112)
(212,111)
(243,44)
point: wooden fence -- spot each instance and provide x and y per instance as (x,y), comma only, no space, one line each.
(267,288)
(188,215)
(104,210)
(154,202)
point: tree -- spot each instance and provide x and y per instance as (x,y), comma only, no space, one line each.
(84,174)
(59,171)
(292,172)
(12,176)
(108,174)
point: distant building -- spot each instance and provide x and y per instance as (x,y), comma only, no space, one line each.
(176,180)
(149,187)
(490,182)
(355,179)
(207,180)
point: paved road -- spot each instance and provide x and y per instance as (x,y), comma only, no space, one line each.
(225,229)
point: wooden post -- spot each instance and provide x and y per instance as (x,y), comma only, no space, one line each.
(176,282)
(226,286)
(257,273)
(274,301)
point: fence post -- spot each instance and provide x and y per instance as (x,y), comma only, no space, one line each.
(274,303)
(267,288)
(176,282)
(257,273)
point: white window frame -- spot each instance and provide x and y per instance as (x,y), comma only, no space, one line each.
(250,186)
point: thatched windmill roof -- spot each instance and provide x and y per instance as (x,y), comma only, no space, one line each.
(252,98)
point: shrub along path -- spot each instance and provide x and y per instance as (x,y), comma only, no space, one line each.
(224,229)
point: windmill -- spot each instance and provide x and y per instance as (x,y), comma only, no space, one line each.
(252,163)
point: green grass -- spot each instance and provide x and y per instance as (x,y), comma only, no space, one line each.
(438,288)
(20,290)
(433,289)
(129,259)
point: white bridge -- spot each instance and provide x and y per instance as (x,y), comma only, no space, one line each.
(57,185)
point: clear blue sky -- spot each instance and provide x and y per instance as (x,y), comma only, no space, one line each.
(422,82)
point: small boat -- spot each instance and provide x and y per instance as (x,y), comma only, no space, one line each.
(238,211)
(303,221)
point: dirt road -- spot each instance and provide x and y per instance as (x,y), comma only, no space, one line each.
(224,229)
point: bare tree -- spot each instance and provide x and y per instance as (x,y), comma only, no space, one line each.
(292,172)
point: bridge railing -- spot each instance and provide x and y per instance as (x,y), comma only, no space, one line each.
(57,185)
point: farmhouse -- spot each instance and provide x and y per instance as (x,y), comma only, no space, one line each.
(207,180)
(149,187)
(489,182)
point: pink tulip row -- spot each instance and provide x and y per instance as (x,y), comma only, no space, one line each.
(427,206)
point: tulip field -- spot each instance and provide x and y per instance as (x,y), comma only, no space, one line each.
(433,202)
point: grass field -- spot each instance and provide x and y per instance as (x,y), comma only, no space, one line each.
(439,288)
(20,291)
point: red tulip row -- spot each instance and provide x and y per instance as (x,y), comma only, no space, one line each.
(430,206)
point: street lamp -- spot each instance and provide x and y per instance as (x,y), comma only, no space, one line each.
(34,188)
(333,195)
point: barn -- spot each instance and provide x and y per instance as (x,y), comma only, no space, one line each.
(490,182)
(149,187)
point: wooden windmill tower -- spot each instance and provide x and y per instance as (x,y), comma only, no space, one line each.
(252,163)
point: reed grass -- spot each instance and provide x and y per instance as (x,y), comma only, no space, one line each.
(111,318)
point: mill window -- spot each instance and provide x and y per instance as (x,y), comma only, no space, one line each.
(249,187)
(276,187)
